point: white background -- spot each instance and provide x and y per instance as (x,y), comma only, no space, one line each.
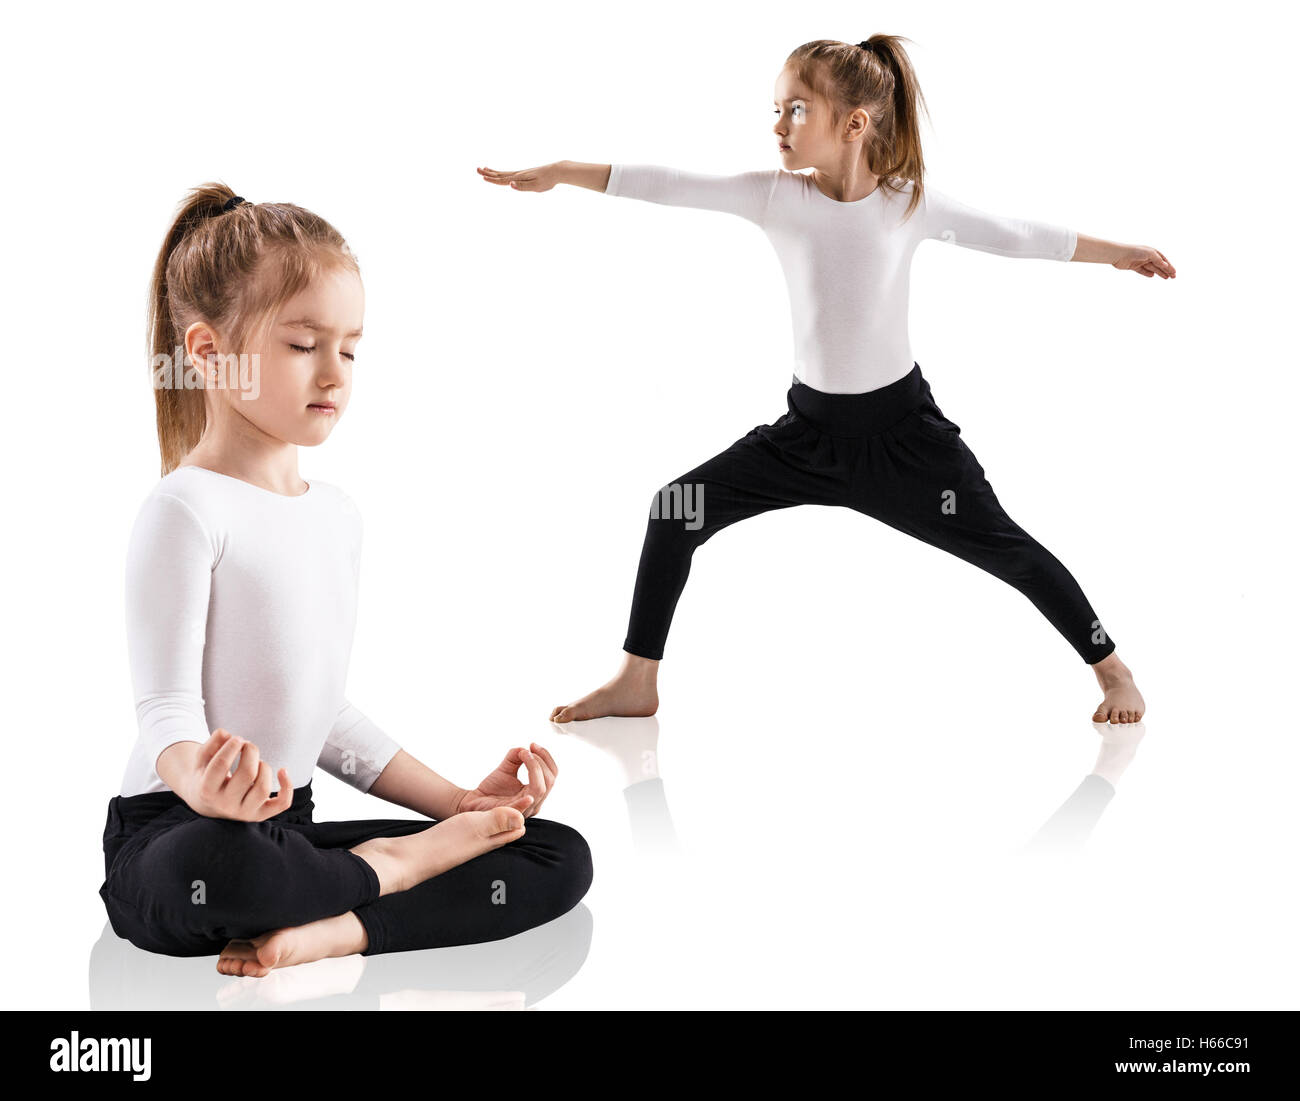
(858,733)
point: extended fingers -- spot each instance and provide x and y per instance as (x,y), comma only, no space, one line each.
(493,176)
(1156,263)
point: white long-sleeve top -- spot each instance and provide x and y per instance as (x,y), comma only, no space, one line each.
(847,264)
(240,610)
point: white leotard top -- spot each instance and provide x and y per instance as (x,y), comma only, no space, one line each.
(240,609)
(846,265)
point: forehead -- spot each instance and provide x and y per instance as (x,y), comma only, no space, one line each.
(790,87)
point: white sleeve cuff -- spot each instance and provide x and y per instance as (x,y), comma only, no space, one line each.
(356,750)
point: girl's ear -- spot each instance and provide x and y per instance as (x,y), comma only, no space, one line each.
(200,342)
(859,124)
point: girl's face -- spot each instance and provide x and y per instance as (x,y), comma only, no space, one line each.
(304,365)
(803,127)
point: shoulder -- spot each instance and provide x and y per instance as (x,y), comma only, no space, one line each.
(337,509)
(175,517)
(334,495)
(184,492)
(925,205)
(764,182)
(791,181)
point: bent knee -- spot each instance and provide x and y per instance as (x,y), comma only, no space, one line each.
(682,502)
(218,865)
(569,858)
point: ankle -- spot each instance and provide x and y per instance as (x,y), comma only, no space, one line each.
(389,861)
(638,668)
(1111,669)
(352,936)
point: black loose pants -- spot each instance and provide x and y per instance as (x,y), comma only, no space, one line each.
(888,453)
(183,884)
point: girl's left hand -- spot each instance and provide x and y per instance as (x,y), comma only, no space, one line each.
(1145,261)
(502,787)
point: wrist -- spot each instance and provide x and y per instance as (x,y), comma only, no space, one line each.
(456,802)
(184,789)
(1124,253)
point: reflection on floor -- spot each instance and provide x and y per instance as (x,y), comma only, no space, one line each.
(1072,824)
(515,973)
(632,744)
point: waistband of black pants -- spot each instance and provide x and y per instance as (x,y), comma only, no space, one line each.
(862,414)
(136,810)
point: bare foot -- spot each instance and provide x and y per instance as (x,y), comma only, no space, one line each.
(1122,702)
(633,692)
(402,862)
(341,935)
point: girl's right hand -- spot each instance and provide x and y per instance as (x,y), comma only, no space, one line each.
(527,179)
(211,789)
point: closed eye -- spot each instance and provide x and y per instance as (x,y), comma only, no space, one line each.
(304,348)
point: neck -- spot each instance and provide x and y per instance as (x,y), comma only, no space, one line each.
(234,447)
(845,184)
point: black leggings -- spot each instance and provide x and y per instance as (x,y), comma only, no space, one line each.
(184,884)
(889,453)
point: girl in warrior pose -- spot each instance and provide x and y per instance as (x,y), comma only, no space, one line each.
(862,429)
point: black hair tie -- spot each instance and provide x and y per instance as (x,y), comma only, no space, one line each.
(233,202)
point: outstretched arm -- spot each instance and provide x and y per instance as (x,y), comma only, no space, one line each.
(946,219)
(745,194)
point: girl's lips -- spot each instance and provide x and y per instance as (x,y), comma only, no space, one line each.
(322,408)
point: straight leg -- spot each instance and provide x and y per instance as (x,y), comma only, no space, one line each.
(921,478)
